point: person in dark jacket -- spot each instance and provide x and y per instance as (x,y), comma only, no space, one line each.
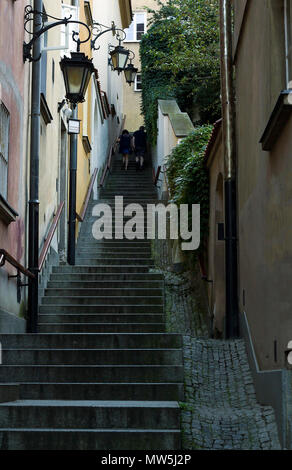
(140,147)
(125,142)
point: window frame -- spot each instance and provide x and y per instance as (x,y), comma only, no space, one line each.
(134,22)
(136,82)
(5,156)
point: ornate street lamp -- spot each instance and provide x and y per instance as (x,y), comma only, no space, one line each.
(119,56)
(130,71)
(77,71)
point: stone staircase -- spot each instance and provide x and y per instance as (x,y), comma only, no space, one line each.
(102,373)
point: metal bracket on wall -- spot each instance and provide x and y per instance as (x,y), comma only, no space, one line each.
(19,285)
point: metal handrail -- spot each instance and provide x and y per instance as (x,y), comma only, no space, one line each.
(87,197)
(49,238)
(106,168)
(165,178)
(156,177)
(111,153)
(5,256)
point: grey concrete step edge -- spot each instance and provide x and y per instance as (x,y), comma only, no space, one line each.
(89,414)
(114,391)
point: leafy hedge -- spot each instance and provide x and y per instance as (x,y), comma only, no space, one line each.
(187,174)
(180,60)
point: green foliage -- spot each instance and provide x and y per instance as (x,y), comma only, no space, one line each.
(187,174)
(180,59)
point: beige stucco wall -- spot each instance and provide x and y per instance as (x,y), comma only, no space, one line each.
(216,248)
(84,114)
(132,98)
(105,131)
(172,126)
(50,154)
(264,185)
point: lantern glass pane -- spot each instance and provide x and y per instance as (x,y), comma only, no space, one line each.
(122,60)
(115,59)
(75,79)
(128,75)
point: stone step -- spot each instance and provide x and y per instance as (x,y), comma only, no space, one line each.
(115,245)
(9,392)
(103,300)
(104,391)
(99,254)
(83,439)
(105,250)
(91,373)
(115,261)
(67,414)
(104,292)
(104,284)
(107,277)
(84,341)
(89,238)
(101,318)
(130,198)
(91,356)
(128,192)
(111,202)
(106,308)
(101,269)
(101,327)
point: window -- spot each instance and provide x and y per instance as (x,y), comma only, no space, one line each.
(137,27)
(67,31)
(138,82)
(4,149)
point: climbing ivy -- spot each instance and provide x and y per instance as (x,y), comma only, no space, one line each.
(187,174)
(180,60)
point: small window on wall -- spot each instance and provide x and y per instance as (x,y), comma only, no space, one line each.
(67,31)
(137,27)
(138,82)
(4,149)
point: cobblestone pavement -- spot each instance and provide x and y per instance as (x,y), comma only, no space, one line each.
(220,409)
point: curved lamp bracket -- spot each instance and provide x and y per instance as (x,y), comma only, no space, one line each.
(29,16)
(131,57)
(98,30)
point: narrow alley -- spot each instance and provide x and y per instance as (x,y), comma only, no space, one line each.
(145,228)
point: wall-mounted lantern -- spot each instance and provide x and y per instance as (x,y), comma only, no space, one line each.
(130,71)
(77,71)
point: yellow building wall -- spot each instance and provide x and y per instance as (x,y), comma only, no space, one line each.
(49,164)
(132,98)
(84,114)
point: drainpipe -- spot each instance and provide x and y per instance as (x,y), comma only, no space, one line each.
(229,145)
(33,222)
(286,29)
(72,185)
(72,193)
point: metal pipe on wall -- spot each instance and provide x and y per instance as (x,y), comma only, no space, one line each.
(72,192)
(229,146)
(33,240)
